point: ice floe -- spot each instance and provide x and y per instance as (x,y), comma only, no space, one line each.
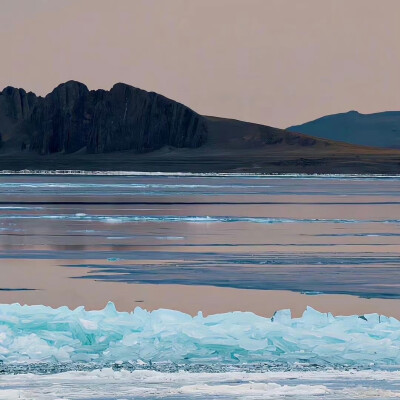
(40,334)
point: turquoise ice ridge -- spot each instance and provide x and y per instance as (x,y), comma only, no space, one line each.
(40,334)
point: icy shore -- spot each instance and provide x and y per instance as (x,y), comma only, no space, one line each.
(40,334)
(109,384)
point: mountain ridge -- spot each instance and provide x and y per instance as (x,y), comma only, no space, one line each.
(128,128)
(71,117)
(381,129)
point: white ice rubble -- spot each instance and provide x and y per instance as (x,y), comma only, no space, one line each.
(40,334)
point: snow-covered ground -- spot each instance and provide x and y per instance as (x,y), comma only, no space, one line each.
(109,384)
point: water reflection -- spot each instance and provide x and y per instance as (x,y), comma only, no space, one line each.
(319,235)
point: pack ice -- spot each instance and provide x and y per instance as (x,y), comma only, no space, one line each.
(33,334)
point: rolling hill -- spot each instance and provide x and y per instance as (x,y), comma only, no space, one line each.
(377,130)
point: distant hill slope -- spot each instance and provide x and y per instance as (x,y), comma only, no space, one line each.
(130,129)
(377,130)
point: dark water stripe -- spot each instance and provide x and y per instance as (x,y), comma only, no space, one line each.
(217,260)
(361,281)
(199,219)
(107,245)
(172,203)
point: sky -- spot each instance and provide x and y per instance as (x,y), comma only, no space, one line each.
(274,62)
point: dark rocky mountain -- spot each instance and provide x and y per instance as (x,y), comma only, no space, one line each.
(130,129)
(72,118)
(377,130)
(15,110)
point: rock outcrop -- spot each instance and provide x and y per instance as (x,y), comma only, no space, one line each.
(16,107)
(17,104)
(58,122)
(127,117)
(71,118)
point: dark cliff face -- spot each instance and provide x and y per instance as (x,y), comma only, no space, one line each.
(130,118)
(58,120)
(17,104)
(16,107)
(71,118)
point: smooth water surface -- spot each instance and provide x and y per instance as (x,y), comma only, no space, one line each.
(332,235)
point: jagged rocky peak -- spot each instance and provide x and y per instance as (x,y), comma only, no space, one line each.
(125,118)
(66,94)
(17,104)
(130,118)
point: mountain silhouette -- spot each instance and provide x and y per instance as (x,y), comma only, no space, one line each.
(377,130)
(127,128)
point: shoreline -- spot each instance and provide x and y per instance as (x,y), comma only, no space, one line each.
(142,384)
(79,172)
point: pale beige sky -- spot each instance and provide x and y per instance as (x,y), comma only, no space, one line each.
(276,62)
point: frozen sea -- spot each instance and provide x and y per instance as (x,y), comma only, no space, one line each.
(236,248)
